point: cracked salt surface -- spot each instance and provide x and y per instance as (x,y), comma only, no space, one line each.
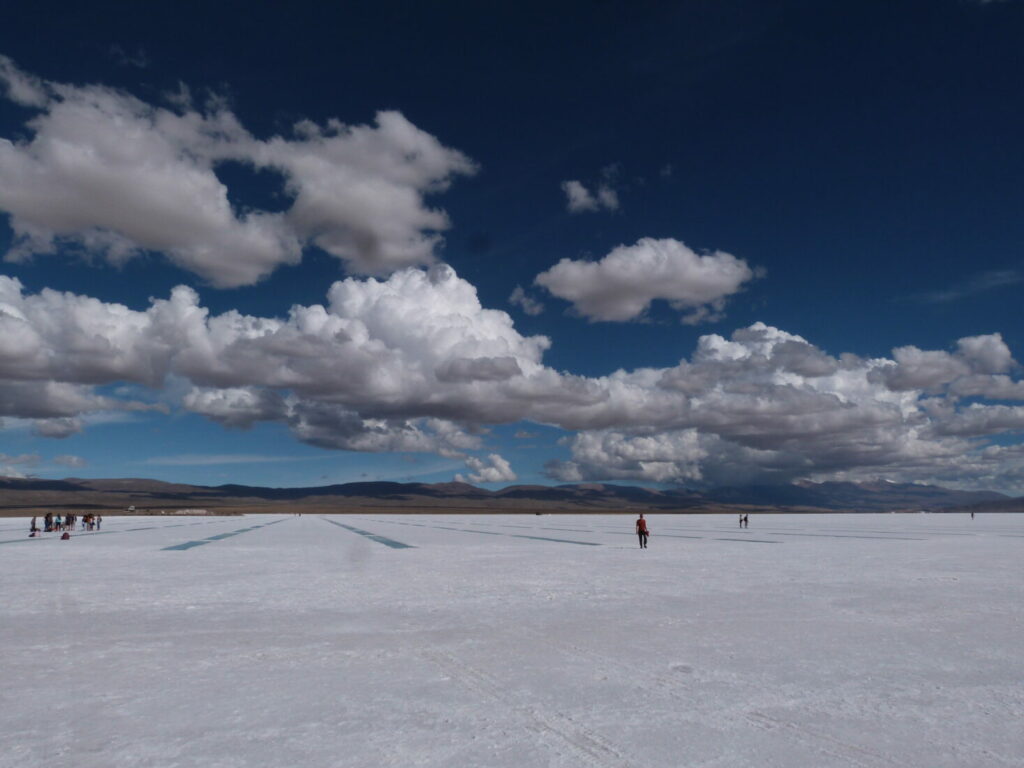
(381,640)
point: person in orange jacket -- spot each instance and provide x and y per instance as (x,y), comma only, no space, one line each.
(641,531)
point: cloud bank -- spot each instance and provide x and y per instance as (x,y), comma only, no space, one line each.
(416,363)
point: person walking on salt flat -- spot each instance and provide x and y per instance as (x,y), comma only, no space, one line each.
(641,531)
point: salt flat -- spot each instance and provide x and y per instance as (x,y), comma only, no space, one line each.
(444,640)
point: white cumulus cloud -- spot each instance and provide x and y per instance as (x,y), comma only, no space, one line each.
(494,470)
(17,465)
(70,460)
(527,303)
(579,199)
(59,428)
(975,361)
(673,457)
(113,175)
(622,285)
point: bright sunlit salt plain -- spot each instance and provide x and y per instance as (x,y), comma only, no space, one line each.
(840,640)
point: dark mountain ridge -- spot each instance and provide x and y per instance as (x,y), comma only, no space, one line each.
(874,497)
(143,494)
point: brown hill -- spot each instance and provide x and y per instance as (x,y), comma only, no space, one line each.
(23,496)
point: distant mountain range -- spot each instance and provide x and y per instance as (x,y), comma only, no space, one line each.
(18,496)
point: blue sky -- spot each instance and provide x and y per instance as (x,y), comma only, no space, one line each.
(693,243)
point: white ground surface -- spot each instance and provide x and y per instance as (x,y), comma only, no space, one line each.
(868,640)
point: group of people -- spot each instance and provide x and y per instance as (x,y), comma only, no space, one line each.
(57,523)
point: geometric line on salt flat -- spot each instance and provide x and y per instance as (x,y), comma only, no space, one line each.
(497,533)
(218,537)
(371,536)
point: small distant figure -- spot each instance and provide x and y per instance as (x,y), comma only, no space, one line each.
(745,521)
(33,529)
(641,531)
(99,521)
(972,516)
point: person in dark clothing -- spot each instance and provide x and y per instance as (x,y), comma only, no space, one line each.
(641,531)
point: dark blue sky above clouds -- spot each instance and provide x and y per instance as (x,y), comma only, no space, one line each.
(752,241)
